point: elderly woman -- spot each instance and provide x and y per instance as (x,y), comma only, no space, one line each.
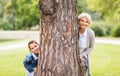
(86,40)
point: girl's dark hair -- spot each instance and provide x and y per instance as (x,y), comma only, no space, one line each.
(30,42)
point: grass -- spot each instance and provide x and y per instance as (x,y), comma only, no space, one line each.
(9,41)
(6,40)
(108,37)
(105,61)
(11,62)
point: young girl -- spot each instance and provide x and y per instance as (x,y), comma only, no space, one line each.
(31,60)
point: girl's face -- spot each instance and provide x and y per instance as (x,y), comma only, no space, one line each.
(34,47)
(84,22)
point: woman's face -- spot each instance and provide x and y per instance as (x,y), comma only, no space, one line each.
(84,22)
(34,47)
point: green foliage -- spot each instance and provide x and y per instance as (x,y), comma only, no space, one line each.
(108,9)
(7,22)
(7,40)
(116,31)
(3,21)
(82,6)
(25,12)
(101,28)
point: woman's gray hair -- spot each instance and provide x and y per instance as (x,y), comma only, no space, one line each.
(84,15)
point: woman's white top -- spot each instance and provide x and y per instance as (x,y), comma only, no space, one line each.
(83,41)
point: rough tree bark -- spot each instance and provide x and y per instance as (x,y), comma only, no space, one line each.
(59,55)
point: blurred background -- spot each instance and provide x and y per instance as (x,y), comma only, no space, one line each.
(24,15)
(19,23)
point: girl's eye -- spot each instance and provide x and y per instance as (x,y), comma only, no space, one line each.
(33,47)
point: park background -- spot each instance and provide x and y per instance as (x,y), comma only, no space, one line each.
(19,23)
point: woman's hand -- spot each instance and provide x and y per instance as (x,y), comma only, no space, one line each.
(81,57)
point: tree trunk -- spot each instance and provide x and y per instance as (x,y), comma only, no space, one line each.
(59,55)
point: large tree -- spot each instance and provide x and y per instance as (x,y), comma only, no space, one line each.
(59,55)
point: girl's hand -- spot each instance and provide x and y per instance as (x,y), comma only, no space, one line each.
(35,69)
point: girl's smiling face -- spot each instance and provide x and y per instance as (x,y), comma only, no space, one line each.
(34,47)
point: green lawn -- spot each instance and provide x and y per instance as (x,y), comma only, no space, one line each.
(11,41)
(105,61)
(11,62)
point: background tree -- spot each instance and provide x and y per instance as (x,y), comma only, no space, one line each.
(4,18)
(108,9)
(82,6)
(59,54)
(25,13)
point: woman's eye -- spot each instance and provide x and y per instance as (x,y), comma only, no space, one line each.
(87,22)
(82,20)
